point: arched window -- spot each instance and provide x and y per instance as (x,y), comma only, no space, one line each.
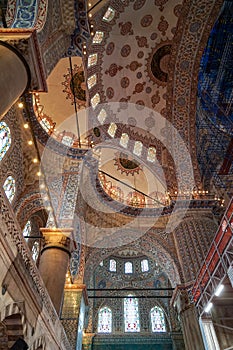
(35,251)
(144,265)
(67,140)
(112,265)
(124,140)
(5,139)
(102,116)
(131,314)
(157,320)
(137,148)
(27,229)
(109,14)
(92,60)
(151,154)
(112,129)
(105,320)
(9,188)
(128,267)
(95,100)
(98,37)
(91,81)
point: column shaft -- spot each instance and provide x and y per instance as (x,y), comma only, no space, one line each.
(14,76)
(188,319)
(54,262)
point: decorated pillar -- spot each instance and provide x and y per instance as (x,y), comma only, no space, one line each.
(74,313)
(188,318)
(192,238)
(21,67)
(14,77)
(55,254)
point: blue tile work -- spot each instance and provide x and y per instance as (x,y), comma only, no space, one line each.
(81,33)
(26,14)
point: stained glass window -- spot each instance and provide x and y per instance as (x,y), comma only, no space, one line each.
(128,267)
(92,60)
(91,81)
(144,265)
(102,116)
(5,139)
(151,154)
(157,320)
(124,140)
(112,129)
(35,251)
(27,229)
(95,100)
(98,37)
(112,265)
(9,188)
(137,148)
(131,314)
(109,14)
(105,320)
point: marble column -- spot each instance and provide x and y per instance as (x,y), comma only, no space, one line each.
(55,254)
(189,320)
(14,76)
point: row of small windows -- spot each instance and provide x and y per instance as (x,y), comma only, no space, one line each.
(124,140)
(128,267)
(131,317)
(95,100)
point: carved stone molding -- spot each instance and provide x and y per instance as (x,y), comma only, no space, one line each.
(58,238)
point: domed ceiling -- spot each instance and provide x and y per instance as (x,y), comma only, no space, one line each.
(126,60)
(134,63)
(64,91)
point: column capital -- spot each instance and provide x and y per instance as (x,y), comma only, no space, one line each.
(180,298)
(59,238)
